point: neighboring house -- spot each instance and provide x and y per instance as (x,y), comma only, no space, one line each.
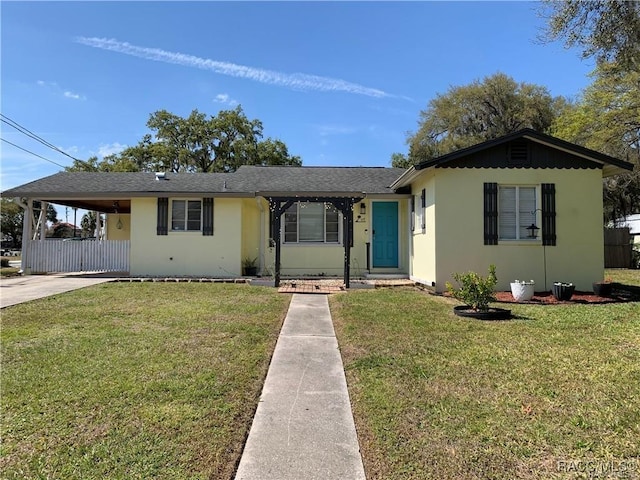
(459,212)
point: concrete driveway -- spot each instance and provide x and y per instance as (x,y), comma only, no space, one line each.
(14,290)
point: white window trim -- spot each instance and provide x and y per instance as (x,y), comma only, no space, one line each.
(538,198)
(186,213)
(298,243)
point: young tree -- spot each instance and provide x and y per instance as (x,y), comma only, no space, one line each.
(484,110)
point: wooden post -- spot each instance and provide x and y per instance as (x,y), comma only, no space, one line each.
(43,220)
(276,238)
(27,226)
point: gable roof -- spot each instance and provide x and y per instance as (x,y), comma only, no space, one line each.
(246,181)
(546,152)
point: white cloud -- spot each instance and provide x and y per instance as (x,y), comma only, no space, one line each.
(225,99)
(110,149)
(294,81)
(56,89)
(326,130)
(74,96)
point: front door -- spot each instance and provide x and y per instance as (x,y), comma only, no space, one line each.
(385,234)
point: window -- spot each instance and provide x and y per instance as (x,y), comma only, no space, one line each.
(419,212)
(307,222)
(186,215)
(516,211)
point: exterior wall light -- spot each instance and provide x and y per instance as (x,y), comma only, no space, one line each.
(533,231)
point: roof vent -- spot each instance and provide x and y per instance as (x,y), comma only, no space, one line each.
(161,175)
(519,152)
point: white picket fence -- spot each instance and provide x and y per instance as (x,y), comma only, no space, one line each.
(78,256)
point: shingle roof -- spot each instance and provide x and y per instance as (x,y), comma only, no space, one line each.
(247,180)
(283,179)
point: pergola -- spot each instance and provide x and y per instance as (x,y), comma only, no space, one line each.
(344,204)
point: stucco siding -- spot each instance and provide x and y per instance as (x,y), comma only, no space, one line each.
(251,228)
(115,233)
(423,250)
(328,259)
(578,256)
(186,253)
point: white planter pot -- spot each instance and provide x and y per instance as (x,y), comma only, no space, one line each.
(522,292)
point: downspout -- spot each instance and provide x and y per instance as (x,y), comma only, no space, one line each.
(26,233)
(262,238)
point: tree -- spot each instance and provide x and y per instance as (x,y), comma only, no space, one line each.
(607,30)
(110,163)
(482,111)
(89,224)
(11,217)
(62,230)
(197,143)
(607,119)
(398,160)
(275,152)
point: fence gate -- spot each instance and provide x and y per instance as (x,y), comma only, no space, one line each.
(617,248)
(78,256)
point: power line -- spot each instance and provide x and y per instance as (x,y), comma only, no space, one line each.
(28,151)
(30,134)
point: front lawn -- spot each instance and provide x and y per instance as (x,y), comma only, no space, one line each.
(623,275)
(440,397)
(142,380)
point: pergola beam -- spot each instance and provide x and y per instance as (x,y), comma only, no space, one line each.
(278,205)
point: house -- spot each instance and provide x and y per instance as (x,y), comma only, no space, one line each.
(527,202)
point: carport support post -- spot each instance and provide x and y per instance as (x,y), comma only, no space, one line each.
(27,228)
(98,225)
(43,220)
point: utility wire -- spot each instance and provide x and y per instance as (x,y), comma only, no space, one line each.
(28,151)
(32,135)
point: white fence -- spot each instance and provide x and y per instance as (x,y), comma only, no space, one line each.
(78,256)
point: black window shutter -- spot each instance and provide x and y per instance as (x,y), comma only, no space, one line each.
(163,216)
(207,216)
(413,213)
(423,199)
(548,214)
(490,213)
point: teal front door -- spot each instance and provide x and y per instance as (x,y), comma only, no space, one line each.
(385,234)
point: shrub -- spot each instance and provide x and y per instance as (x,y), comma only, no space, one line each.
(4,263)
(475,290)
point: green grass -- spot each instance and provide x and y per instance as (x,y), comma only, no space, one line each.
(622,275)
(8,271)
(439,397)
(134,381)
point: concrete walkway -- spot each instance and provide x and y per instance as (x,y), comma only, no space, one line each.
(14,290)
(303,427)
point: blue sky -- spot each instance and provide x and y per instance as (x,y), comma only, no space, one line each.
(339,83)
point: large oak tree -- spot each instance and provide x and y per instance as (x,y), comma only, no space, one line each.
(197,143)
(484,110)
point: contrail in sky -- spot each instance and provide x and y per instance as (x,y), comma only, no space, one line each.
(295,81)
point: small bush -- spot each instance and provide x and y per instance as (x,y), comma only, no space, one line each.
(4,263)
(475,290)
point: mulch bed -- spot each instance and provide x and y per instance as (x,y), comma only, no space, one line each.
(547,298)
